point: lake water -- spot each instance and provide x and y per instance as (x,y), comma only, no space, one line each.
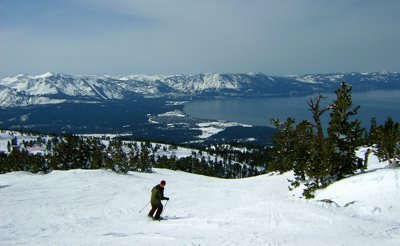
(258,112)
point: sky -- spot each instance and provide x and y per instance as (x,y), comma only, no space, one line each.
(122,37)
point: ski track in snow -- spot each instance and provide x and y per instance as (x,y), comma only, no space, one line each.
(99,207)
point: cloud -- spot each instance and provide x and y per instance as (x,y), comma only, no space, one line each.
(190,36)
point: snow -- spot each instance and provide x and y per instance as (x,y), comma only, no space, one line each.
(373,195)
(176,103)
(307,79)
(143,77)
(153,121)
(95,87)
(175,113)
(6,136)
(209,129)
(100,207)
(43,76)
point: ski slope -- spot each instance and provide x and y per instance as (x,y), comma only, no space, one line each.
(99,207)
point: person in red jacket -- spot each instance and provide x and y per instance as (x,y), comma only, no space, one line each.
(157,195)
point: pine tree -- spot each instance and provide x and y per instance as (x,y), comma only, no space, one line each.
(67,153)
(145,160)
(344,135)
(373,132)
(14,142)
(97,153)
(49,145)
(119,157)
(387,139)
(132,158)
(314,158)
(84,154)
(303,149)
(3,163)
(317,168)
(38,163)
(284,145)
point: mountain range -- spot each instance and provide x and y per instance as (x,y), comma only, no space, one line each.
(55,88)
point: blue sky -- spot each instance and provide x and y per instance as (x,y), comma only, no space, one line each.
(276,37)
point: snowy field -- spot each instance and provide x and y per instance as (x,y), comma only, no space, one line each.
(99,207)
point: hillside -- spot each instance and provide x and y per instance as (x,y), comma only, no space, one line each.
(53,88)
(40,153)
(100,207)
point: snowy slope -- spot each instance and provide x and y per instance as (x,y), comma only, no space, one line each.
(99,207)
(373,196)
(23,90)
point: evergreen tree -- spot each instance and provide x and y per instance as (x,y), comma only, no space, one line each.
(18,160)
(318,163)
(303,149)
(387,140)
(284,145)
(373,132)
(65,155)
(14,142)
(3,163)
(344,135)
(97,153)
(133,159)
(38,163)
(119,157)
(317,113)
(84,154)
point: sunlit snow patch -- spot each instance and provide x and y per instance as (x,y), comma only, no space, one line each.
(176,103)
(175,113)
(209,129)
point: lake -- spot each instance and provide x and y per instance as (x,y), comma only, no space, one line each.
(259,111)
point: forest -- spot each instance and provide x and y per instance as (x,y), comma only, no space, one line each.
(67,152)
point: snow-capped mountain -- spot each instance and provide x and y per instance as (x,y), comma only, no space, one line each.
(24,90)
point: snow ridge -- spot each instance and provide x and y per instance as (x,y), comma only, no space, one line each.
(24,90)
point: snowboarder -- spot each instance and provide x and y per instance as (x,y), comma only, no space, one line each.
(157,194)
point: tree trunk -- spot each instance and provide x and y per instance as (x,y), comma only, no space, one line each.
(366,156)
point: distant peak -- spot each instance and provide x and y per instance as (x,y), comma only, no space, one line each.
(43,76)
